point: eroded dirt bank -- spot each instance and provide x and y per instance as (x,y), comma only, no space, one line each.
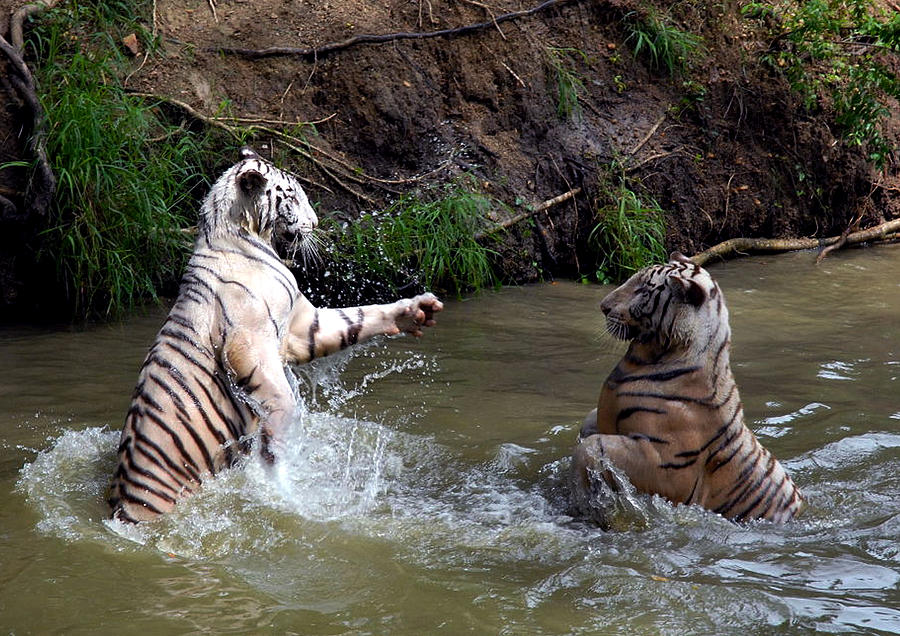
(726,149)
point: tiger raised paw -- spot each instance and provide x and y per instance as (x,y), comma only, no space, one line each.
(215,376)
(669,415)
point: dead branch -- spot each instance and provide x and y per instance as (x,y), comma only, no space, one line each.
(888,230)
(325,49)
(648,135)
(841,242)
(289,142)
(540,207)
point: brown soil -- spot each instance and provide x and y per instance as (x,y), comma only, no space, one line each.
(734,154)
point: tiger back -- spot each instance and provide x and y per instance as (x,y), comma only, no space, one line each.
(670,415)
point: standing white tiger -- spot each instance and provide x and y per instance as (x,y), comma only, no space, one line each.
(215,375)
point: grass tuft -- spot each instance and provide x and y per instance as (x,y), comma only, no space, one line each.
(125,176)
(430,240)
(569,85)
(665,46)
(629,235)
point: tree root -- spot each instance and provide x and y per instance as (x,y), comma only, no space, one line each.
(42,184)
(317,52)
(888,231)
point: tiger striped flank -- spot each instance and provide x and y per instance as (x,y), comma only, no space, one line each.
(214,384)
(670,415)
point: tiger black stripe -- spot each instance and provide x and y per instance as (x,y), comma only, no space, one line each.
(660,376)
(136,467)
(313,330)
(176,440)
(187,471)
(160,467)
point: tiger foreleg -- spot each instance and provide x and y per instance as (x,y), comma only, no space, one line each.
(636,458)
(315,333)
(256,369)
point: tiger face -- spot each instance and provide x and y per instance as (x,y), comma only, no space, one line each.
(257,197)
(666,303)
(279,204)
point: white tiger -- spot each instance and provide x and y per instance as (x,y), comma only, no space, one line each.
(670,415)
(215,376)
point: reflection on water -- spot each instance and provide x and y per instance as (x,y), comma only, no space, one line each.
(425,489)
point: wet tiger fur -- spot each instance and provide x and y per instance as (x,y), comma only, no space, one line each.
(669,415)
(215,376)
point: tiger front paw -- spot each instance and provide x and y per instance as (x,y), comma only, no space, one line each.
(416,313)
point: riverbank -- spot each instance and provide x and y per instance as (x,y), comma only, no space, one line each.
(675,115)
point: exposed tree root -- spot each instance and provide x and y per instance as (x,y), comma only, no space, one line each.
(889,231)
(319,51)
(42,185)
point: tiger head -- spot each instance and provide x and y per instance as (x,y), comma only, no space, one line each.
(677,303)
(257,197)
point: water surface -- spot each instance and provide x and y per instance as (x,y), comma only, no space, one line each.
(425,491)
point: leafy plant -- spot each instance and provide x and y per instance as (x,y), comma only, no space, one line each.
(628,234)
(829,49)
(569,84)
(435,238)
(125,177)
(665,46)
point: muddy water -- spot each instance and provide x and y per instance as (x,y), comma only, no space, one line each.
(425,489)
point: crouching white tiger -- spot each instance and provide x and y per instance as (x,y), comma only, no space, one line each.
(669,415)
(215,376)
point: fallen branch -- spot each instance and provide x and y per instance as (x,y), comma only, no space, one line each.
(889,230)
(540,207)
(282,138)
(325,49)
(841,242)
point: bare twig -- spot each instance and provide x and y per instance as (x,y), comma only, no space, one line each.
(540,207)
(274,122)
(332,47)
(648,135)
(490,13)
(888,230)
(842,241)
(727,201)
(513,73)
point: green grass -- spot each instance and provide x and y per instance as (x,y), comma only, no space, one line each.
(125,176)
(428,236)
(569,85)
(664,46)
(628,235)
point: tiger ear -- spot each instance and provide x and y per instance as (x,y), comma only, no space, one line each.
(689,291)
(247,152)
(251,182)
